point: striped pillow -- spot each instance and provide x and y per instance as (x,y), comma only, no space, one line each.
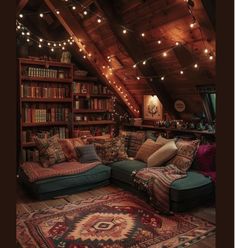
(135,141)
(146,150)
(87,154)
(50,151)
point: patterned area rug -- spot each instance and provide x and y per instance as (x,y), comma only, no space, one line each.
(117,220)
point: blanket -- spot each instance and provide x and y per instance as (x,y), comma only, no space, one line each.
(157,181)
(34,171)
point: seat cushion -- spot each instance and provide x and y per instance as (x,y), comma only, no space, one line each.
(194,186)
(98,174)
(122,170)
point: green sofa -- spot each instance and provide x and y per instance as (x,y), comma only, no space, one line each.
(185,193)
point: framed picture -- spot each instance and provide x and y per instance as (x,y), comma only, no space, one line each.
(153,109)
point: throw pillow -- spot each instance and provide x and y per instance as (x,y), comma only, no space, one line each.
(185,153)
(151,135)
(135,141)
(68,147)
(205,157)
(87,153)
(112,150)
(147,149)
(162,155)
(162,141)
(50,151)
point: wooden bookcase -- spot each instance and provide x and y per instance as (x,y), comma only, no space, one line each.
(52,100)
(45,102)
(92,106)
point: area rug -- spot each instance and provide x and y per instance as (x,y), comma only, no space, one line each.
(117,220)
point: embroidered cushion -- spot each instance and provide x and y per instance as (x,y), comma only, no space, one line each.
(147,149)
(50,151)
(112,150)
(162,155)
(87,153)
(162,141)
(185,154)
(68,147)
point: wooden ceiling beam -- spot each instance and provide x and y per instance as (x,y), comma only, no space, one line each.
(74,27)
(20,5)
(135,49)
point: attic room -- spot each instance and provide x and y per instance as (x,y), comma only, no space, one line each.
(116,127)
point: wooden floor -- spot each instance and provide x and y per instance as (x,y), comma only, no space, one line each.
(26,204)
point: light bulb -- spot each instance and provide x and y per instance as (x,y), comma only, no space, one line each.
(164,54)
(85,12)
(103,67)
(39,45)
(80,49)
(159,42)
(62,48)
(52,49)
(48,43)
(71,43)
(54,45)
(57,12)
(40,39)
(18,27)
(89,55)
(162,78)
(28,33)
(21,15)
(143,34)
(134,66)
(211,57)
(206,50)
(74,7)
(181,72)
(192,25)
(23,33)
(41,15)
(84,56)
(59,44)
(195,65)
(177,43)
(99,20)
(124,31)
(144,62)
(28,40)
(138,78)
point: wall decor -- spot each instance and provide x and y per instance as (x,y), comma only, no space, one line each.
(152,108)
(179,106)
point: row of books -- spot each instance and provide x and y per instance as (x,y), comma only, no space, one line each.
(93,103)
(39,114)
(92,117)
(30,155)
(33,90)
(27,135)
(43,72)
(95,131)
(90,88)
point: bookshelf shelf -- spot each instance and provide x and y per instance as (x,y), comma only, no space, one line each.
(86,123)
(91,111)
(92,95)
(66,100)
(47,79)
(58,123)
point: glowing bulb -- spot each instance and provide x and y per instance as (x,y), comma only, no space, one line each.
(84,56)
(143,34)
(99,20)
(41,15)
(74,7)
(103,67)
(62,48)
(195,65)
(89,55)
(177,43)
(162,78)
(80,49)
(40,40)
(159,42)
(144,62)
(23,33)
(134,66)
(18,27)
(192,25)
(52,49)
(28,33)
(211,57)
(57,12)
(39,45)
(85,12)
(64,43)
(28,40)
(138,78)
(164,54)
(181,72)
(21,15)
(48,43)
(71,43)
(54,45)
(59,44)
(124,31)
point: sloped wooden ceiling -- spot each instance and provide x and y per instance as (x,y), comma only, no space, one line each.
(164,23)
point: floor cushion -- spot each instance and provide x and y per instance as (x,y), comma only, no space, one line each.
(48,188)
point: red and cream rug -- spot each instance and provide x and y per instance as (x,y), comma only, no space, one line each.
(117,220)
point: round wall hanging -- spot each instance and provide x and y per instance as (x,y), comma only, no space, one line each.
(179,105)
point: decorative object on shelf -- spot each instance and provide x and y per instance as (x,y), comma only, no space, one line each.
(179,106)
(152,108)
(66,57)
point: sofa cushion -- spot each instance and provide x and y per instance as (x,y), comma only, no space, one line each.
(162,155)
(135,140)
(87,153)
(195,185)
(98,174)
(122,170)
(162,141)
(146,150)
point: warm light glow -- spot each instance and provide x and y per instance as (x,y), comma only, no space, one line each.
(40,39)
(124,31)
(99,20)
(144,62)
(195,65)
(177,43)
(181,72)
(159,42)
(54,45)
(64,43)
(85,12)
(143,34)
(28,33)
(89,55)
(164,54)
(23,33)
(41,15)
(74,7)
(192,25)
(80,49)
(211,57)
(134,66)
(206,50)
(162,78)
(52,49)
(21,15)
(48,43)
(138,78)
(57,12)
(60,44)
(84,56)
(28,40)
(39,45)
(63,48)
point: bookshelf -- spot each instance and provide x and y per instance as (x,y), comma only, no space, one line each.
(92,106)
(46,102)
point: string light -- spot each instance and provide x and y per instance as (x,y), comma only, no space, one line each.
(159,42)
(85,12)
(28,40)
(206,50)
(28,33)
(74,7)
(164,54)
(99,20)
(52,49)
(138,78)
(195,65)
(48,43)
(134,66)
(21,16)
(41,40)
(181,72)
(84,56)
(41,15)
(39,45)
(192,25)
(211,57)
(57,12)
(142,34)
(177,43)
(23,33)
(162,78)
(124,31)
(144,62)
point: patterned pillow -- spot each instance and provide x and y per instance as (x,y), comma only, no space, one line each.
(112,150)
(133,142)
(162,141)
(185,153)
(68,147)
(87,153)
(50,151)
(147,149)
